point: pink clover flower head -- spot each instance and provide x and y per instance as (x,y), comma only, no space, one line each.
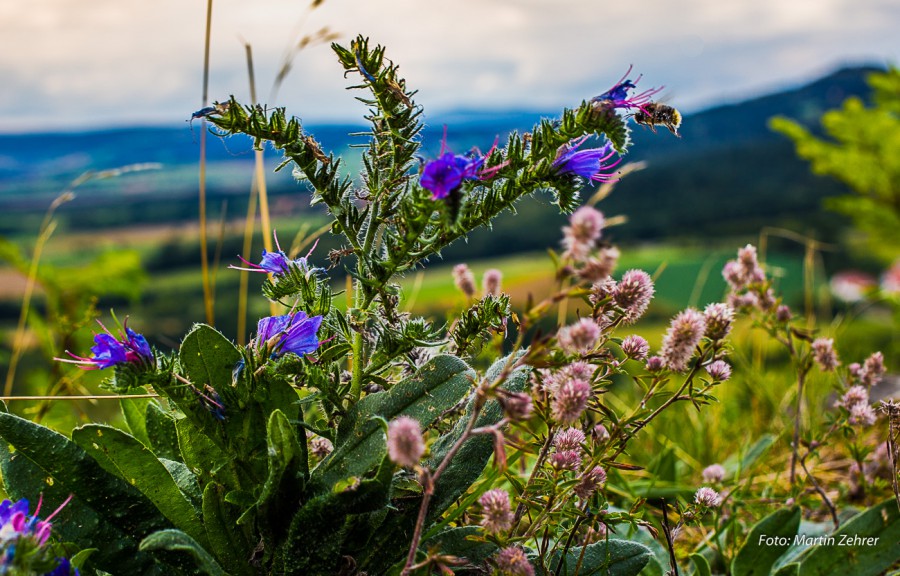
(565,460)
(491,280)
(618,97)
(580,371)
(825,355)
(633,294)
(589,482)
(569,439)
(719,317)
(783,314)
(714,473)
(512,561)
(570,400)
(580,337)
(517,406)
(744,271)
(682,337)
(295,332)
(719,370)
(601,434)
(464,280)
(496,514)
(635,347)
(590,163)
(873,369)
(404,441)
(707,497)
(586,224)
(854,395)
(655,364)
(862,414)
(108,351)
(595,269)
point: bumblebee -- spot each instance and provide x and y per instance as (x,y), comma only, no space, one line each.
(654,114)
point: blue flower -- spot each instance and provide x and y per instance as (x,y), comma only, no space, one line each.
(109,351)
(64,568)
(447,173)
(289,333)
(617,96)
(587,163)
(278,263)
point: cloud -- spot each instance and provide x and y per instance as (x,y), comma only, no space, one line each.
(69,64)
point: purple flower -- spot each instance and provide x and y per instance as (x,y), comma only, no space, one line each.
(617,96)
(684,334)
(512,561)
(633,294)
(289,333)
(713,473)
(570,400)
(635,347)
(107,351)
(64,568)
(565,460)
(446,174)
(278,263)
(579,338)
(568,439)
(825,355)
(719,370)
(707,497)
(587,163)
(16,524)
(589,482)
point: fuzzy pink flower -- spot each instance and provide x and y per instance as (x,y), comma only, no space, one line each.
(685,332)
(404,440)
(600,267)
(825,355)
(512,561)
(655,364)
(745,270)
(569,439)
(783,314)
(490,282)
(862,414)
(602,290)
(565,460)
(635,347)
(719,370)
(495,509)
(586,224)
(580,370)
(707,497)
(633,294)
(854,395)
(714,473)
(570,400)
(579,338)
(589,482)
(719,317)
(517,406)
(464,280)
(873,369)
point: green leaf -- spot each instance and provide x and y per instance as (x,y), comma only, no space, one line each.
(360,444)
(160,427)
(455,541)
(105,511)
(607,558)
(122,455)
(792,569)
(207,357)
(203,457)
(178,541)
(186,482)
(881,524)
(702,565)
(134,410)
(738,463)
(226,541)
(473,456)
(756,557)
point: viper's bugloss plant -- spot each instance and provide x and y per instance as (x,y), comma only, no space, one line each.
(369,441)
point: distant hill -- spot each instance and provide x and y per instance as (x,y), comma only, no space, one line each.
(728,174)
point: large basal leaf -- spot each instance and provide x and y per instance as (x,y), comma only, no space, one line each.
(227,542)
(121,454)
(757,556)
(161,433)
(865,546)
(207,461)
(436,387)
(473,456)
(178,541)
(105,512)
(606,558)
(134,410)
(392,538)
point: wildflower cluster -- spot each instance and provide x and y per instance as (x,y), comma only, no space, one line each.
(24,541)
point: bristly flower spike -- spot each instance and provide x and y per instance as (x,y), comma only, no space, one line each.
(590,163)
(617,96)
(108,350)
(446,174)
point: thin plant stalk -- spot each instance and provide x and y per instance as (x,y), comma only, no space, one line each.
(46,230)
(208,304)
(79,397)
(249,226)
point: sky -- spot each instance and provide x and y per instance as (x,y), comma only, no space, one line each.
(68,65)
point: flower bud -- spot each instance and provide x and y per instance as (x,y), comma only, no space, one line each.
(404,440)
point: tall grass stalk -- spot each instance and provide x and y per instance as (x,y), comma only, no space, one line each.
(208,304)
